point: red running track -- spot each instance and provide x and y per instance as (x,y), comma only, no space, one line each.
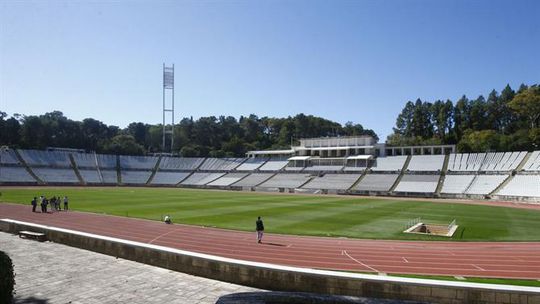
(468,259)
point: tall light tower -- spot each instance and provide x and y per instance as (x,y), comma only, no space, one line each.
(168,105)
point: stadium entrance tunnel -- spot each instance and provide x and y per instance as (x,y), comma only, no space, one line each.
(300,298)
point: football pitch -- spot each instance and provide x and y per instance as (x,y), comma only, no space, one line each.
(319,215)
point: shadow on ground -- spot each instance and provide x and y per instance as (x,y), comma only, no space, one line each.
(299,298)
(30,300)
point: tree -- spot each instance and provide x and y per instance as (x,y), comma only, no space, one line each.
(124,144)
(527,104)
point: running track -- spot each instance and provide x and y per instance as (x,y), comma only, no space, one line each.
(473,259)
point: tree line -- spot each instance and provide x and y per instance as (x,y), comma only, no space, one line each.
(223,136)
(505,121)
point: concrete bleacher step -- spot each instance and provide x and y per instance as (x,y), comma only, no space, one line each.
(154,171)
(443,175)
(76,169)
(27,168)
(398,180)
(118,172)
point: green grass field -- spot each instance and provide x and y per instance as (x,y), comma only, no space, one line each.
(296,214)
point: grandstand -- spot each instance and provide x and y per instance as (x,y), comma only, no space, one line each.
(135,177)
(533,163)
(15,175)
(221,164)
(376,182)
(274,165)
(56,176)
(228,179)
(426,163)
(522,186)
(418,183)
(286,180)
(390,163)
(138,162)
(168,178)
(180,163)
(36,158)
(253,180)
(251,164)
(201,179)
(456,184)
(485,184)
(498,174)
(332,182)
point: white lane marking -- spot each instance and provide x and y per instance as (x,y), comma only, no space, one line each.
(404,259)
(478,267)
(344,252)
(162,235)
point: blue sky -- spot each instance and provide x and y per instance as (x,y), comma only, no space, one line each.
(354,61)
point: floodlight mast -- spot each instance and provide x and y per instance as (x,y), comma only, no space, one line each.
(168,84)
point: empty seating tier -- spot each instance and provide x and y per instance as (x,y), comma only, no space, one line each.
(109,176)
(522,185)
(84,160)
(426,163)
(200,179)
(221,164)
(135,177)
(15,175)
(90,176)
(533,163)
(253,179)
(106,161)
(274,165)
(376,182)
(180,163)
(485,184)
(8,157)
(418,183)
(52,175)
(502,161)
(456,184)
(168,178)
(138,162)
(332,182)
(45,158)
(251,164)
(228,179)
(465,162)
(390,163)
(283,180)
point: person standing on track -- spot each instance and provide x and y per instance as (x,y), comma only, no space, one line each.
(34,204)
(65,203)
(260,229)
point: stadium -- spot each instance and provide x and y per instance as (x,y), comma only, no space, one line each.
(206,183)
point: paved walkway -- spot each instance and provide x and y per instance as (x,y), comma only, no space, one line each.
(51,273)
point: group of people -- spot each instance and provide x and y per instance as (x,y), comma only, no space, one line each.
(54,203)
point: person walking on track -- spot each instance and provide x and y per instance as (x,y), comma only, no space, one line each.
(260,229)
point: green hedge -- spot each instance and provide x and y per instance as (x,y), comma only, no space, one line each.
(7,278)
